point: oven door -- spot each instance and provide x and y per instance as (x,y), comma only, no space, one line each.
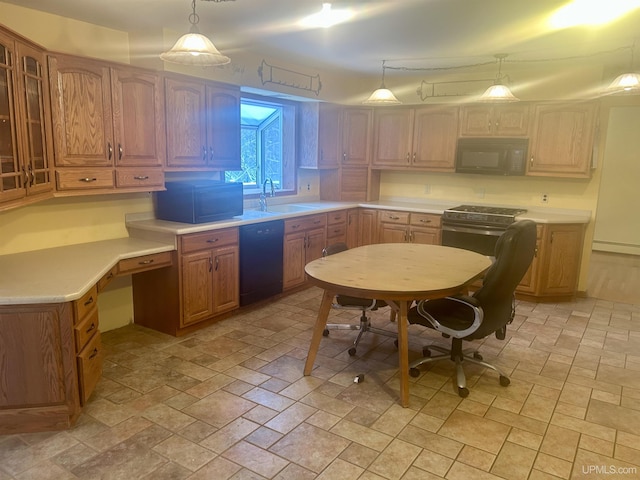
(477,238)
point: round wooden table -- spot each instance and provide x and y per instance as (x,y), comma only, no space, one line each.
(397,273)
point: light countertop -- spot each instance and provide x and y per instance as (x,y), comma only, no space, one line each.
(63,274)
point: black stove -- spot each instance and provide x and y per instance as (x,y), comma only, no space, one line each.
(482,215)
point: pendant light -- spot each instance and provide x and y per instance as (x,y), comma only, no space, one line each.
(498,92)
(627,82)
(194,48)
(382,96)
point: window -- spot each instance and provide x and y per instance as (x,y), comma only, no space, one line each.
(267,139)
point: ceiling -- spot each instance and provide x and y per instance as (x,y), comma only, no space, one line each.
(412,33)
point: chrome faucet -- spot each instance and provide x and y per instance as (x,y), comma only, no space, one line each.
(263,195)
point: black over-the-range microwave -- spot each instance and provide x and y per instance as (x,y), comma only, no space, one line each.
(199,201)
(492,156)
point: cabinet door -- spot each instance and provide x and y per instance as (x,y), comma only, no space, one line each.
(197,287)
(562,141)
(427,236)
(226,279)
(392,130)
(329,137)
(391,233)
(368,227)
(356,131)
(12,178)
(186,124)
(81,109)
(511,120)
(315,242)
(294,259)
(435,133)
(352,227)
(138,118)
(530,282)
(223,127)
(476,120)
(563,249)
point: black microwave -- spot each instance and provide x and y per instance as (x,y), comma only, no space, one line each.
(199,201)
(492,156)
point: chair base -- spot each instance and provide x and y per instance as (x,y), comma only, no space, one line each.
(457,355)
(364,327)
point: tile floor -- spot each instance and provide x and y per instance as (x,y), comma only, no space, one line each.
(230,402)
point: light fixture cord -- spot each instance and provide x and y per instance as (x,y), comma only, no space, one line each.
(383,69)
(194,18)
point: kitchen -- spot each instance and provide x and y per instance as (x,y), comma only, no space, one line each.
(73,220)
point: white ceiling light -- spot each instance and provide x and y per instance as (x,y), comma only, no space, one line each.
(627,82)
(194,48)
(382,96)
(326,17)
(498,92)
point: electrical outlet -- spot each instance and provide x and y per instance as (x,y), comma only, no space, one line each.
(308,186)
(544,198)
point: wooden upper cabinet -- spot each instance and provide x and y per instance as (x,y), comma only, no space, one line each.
(223,126)
(423,137)
(562,140)
(82,115)
(203,125)
(510,120)
(319,135)
(356,135)
(25,137)
(138,118)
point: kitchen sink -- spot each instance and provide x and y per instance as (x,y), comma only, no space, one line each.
(290,208)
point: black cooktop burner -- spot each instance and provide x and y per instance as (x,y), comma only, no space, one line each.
(482,215)
(489,210)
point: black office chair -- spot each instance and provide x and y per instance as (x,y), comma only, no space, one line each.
(489,310)
(355,303)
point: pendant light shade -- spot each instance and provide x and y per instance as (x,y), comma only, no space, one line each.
(498,92)
(194,48)
(382,96)
(627,82)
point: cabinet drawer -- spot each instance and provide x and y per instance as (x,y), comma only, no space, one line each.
(139,178)
(89,367)
(336,231)
(305,223)
(390,216)
(84,179)
(336,217)
(107,277)
(85,304)
(146,262)
(86,329)
(426,220)
(214,238)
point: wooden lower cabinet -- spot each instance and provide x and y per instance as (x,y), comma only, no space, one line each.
(199,286)
(367,226)
(304,240)
(409,227)
(553,274)
(50,363)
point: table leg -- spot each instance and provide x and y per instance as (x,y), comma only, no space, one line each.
(403,353)
(321,323)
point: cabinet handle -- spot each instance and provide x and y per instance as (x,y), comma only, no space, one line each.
(93,354)
(145,262)
(217,264)
(26,176)
(119,152)
(92,327)
(204,153)
(393,217)
(32,182)
(344,156)
(211,156)
(109,150)
(141,177)
(414,158)
(87,179)
(316,222)
(210,264)
(408,157)
(213,240)
(425,221)
(89,302)
(110,276)
(531,161)
(295,226)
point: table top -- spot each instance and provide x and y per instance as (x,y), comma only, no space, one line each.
(398,271)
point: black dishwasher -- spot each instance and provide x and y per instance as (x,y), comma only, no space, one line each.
(260,260)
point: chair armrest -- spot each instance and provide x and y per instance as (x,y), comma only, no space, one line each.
(464,301)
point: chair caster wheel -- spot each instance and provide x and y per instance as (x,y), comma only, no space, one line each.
(414,372)
(426,352)
(325,332)
(504,381)
(352,351)
(477,356)
(359,378)
(463,392)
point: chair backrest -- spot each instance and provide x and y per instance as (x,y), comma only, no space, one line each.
(334,248)
(514,252)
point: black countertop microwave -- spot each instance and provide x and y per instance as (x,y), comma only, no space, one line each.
(492,156)
(199,201)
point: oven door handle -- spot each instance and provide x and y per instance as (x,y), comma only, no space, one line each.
(477,231)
